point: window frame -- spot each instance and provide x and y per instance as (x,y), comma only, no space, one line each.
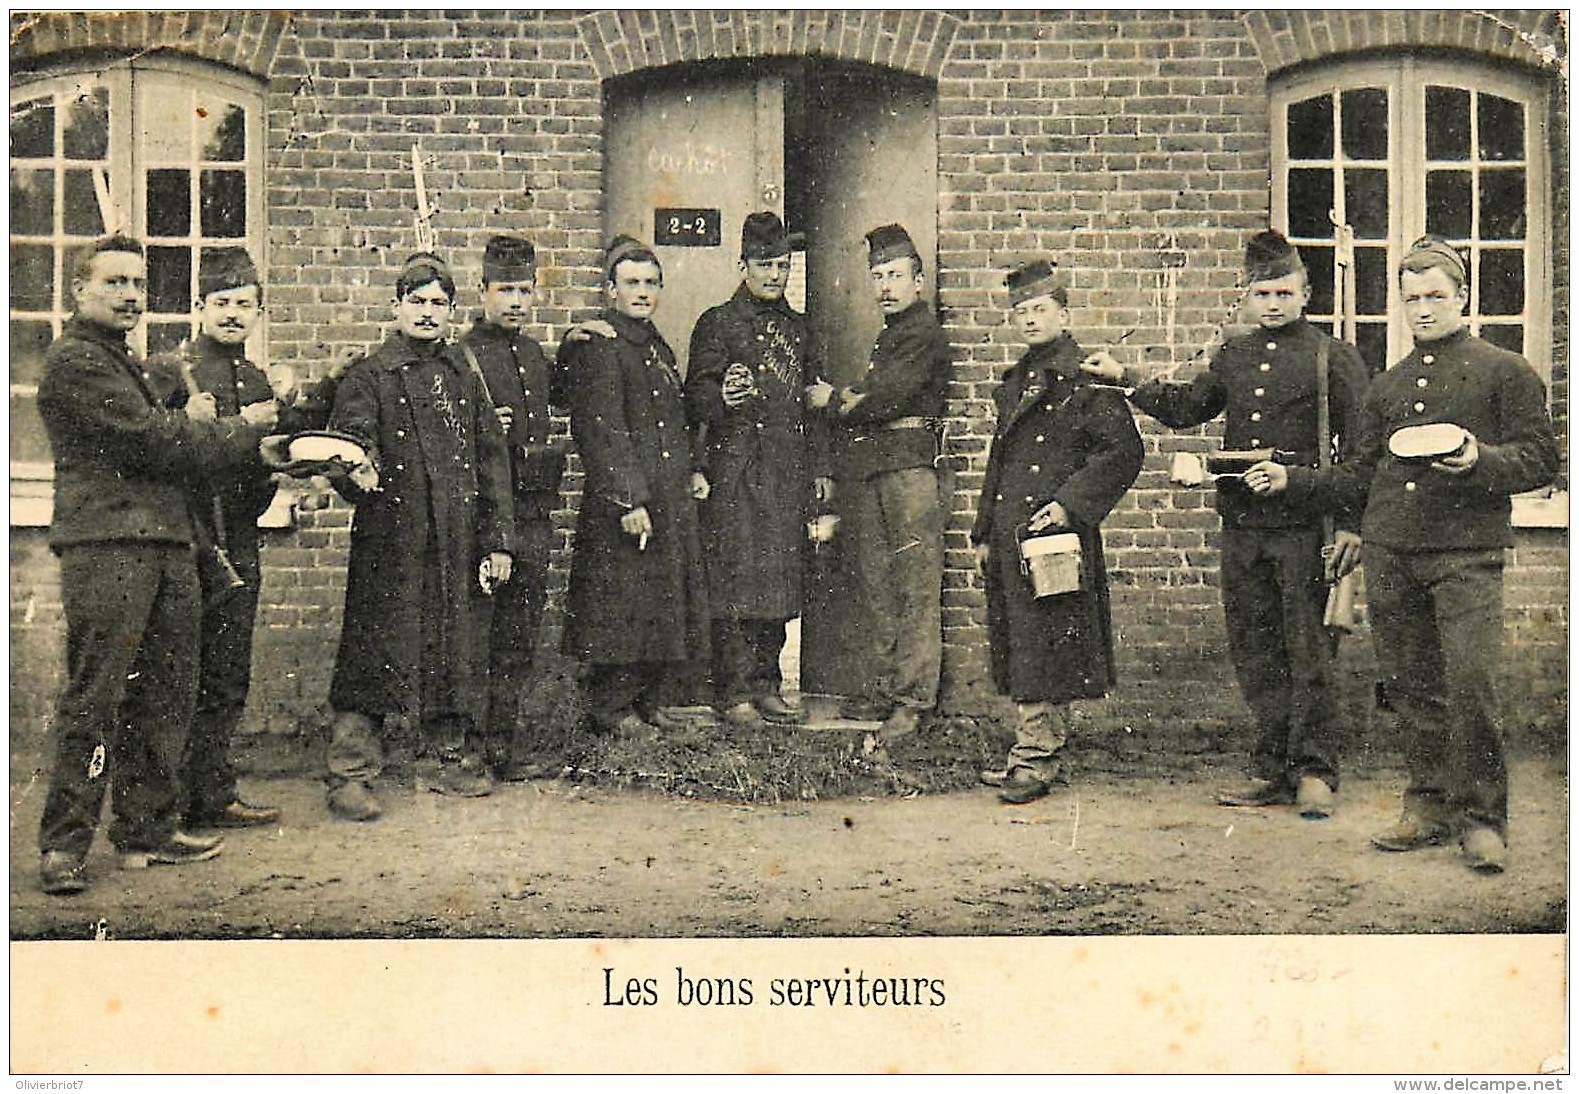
(1406,79)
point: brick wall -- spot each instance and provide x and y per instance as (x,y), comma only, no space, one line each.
(1106,139)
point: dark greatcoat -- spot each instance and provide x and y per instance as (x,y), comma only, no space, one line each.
(1058,438)
(756,456)
(415,635)
(627,416)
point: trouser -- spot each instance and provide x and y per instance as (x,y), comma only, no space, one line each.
(1274,595)
(746,659)
(132,612)
(517,617)
(1042,729)
(225,673)
(899,565)
(1437,621)
(617,690)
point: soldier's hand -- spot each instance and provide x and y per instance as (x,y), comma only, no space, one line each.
(849,399)
(1267,478)
(506,415)
(638,524)
(819,394)
(274,450)
(282,381)
(1340,560)
(738,386)
(494,571)
(1102,366)
(822,489)
(342,360)
(983,557)
(1461,462)
(1051,515)
(592,328)
(265,412)
(313,495)
(364,476)
(202,408)
(700,487)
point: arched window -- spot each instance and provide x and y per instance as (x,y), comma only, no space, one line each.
(169,151)
(1399,147)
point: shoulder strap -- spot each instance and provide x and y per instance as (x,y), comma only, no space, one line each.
(1323,410)
(476,369)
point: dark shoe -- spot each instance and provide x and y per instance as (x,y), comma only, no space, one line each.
(60,873)
(995,777)
(464,779)
(775,709)
(1315,798)
(1412,832)
(178,850)
(1484,850)
(354,801)
(1259,792)
(238,814)
(743,715)
(520,771)
(901,723)
(678,718)
(633,725)
(865,710)
(1023,786)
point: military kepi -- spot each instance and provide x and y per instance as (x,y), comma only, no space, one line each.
(621,248)
(222,268)
(1430,252)
(1269,256)
(762,235)
(508,260)
(887,243)
(1035,279)
(424,268)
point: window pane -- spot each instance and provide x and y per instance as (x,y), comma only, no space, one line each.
(1318,267)
(87,128)
(1448,204)
(1501,128)
(165,126)
(1446,123)
(1502,203)
(1370,280)
(170,280)
(1365,198)
(29,339)
(1371,339)
(224,197)
(1309,198)
(32,280)
(163,337)
(169,202)
(33,128)
(1365,123)
(1506,335)
(222,132)
(29,443)
(32,202)
(81,205)
(1310,129)
(1501,282)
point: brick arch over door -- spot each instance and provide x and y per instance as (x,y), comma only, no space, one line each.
(623,41)
(247,40)
(1284,38)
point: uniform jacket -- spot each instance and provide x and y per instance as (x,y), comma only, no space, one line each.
(627,416)
(443,504)
(234,381)
(126,456)
(759,456)
(1061,439)
(519,376)
(1266,382)
(1489,391)
(907,377)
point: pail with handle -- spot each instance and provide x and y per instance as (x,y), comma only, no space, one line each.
(1052,563)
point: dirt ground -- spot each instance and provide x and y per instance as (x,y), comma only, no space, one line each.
(1114,853)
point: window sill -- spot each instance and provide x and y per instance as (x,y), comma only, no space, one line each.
(33,502)
(1541,511)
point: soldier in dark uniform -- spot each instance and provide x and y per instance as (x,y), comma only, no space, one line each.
(215,370)
(1064,453)
(1274,578)
(430,541)
(637,605)
(1436,530)
(127,458)
(891,420)
(517,377)
(747,370)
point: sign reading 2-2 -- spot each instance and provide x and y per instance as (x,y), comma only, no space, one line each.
(686,227)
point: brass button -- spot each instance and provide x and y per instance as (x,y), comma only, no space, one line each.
(1410,486)
(1266,366)
(1419,408)
(1260,392)
(1429,359)
(1256,416)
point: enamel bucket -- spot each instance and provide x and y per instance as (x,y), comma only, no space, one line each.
(1052,563)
